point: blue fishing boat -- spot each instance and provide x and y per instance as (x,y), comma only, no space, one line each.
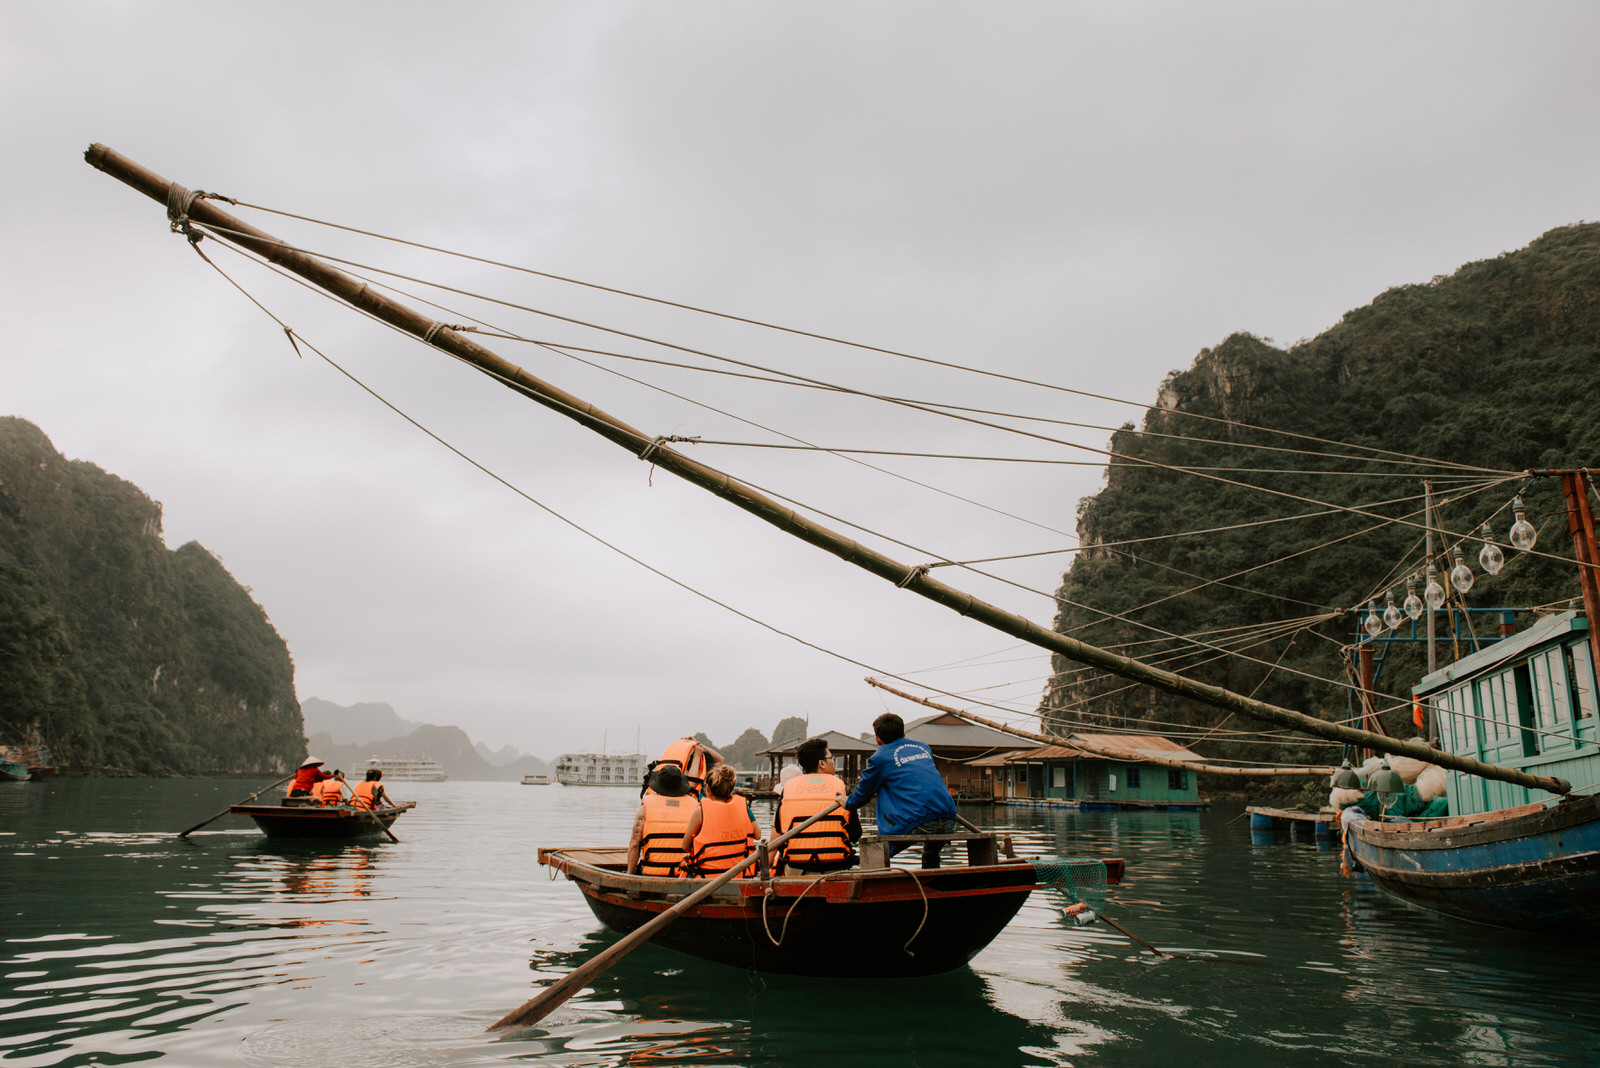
(1508,855)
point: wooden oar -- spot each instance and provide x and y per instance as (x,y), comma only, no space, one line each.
(547,1000)
(1131,935)
(246,801)
(373,812)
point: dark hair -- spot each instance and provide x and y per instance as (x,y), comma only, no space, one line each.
(810,754)
(374,774)
(720,781)
(889,728)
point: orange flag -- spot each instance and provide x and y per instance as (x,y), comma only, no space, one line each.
(1416,712)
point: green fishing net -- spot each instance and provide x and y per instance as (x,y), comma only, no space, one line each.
(1081,879)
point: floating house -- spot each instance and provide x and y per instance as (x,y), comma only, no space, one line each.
(850,755)
(956,744)
(1088,778)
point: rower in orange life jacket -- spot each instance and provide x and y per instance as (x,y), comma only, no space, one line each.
(721,832)
(369,792)
(655,846)
(825,845)
(332,790)
(692,758)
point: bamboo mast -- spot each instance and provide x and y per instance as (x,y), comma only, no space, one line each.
(184,204)
(1075,741)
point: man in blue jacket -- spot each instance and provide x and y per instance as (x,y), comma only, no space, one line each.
(912,796)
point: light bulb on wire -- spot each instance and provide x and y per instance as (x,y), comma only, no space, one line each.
(1461,574)
(1373,624)
(1490,558)
(1413,603)
(1522,533)
(1391,614)
(1433,593)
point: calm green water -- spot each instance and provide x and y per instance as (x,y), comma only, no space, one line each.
(120,943)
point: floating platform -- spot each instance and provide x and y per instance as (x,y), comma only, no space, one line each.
(1324,824)
(1101,805)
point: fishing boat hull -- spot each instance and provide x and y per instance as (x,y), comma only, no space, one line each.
(856,924)
(11,771)
(321,822)
(1531,867)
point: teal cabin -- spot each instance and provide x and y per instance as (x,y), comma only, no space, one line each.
(1065,775)
(1525,702)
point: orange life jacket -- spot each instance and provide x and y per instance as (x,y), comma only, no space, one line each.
(366,793)
(691,760)
(661,844)
(826,842)
(726,834)
(332,792)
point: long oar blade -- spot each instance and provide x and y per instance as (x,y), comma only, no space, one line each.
(246,801)
(547,1000)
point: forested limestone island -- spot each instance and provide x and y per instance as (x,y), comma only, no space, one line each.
(121,655)
(1494,366)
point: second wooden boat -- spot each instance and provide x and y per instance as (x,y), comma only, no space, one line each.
(321,821)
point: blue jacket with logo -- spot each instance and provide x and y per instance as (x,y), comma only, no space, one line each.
(908,786)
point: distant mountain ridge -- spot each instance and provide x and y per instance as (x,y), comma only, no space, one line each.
(344,737)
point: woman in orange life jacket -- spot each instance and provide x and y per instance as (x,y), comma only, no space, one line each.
(331,791)
(655,847)
(692,758)
(369,792)
(826,844)
(308,779)
(721,832)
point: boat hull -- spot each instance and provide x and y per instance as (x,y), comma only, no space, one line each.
(1535,866)
(321,822)
(856,924)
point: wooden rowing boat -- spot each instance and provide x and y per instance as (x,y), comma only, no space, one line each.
(862,923)
(321,821)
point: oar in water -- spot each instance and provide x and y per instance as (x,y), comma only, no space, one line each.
(246,801)
(547,1000)
(373,812)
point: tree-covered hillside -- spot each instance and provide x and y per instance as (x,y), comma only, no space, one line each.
(1491,369)
(123,655)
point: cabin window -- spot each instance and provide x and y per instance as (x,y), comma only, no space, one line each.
(1580,672)
(1550,688)
(1060,773)
(1497,710)
(1522,679)
(1177,779)
(1022,773)
(1133,778)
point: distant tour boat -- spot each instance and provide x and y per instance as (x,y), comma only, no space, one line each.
(600,769)
(536,780)
(398,769)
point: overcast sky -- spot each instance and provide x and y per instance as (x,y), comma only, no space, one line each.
(1086,194)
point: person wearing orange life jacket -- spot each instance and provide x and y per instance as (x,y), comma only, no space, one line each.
(692,758)
(655,846)
(369,792)
(331,791)
(720,832)
(827,844)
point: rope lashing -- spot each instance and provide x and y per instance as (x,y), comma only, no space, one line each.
(460,328)
(916,574)
(179,201)
(650,450)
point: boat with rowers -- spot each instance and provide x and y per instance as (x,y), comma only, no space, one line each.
(300,818)
(872,921)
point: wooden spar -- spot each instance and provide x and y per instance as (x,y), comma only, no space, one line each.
(1580,524)
(1075,742)
(358,295)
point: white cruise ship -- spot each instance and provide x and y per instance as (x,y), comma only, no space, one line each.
(400,769)
(600,769)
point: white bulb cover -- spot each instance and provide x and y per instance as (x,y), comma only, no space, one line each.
(1392,616)
(1461,576)
(1373,624)
(1491,559)
(1434,594)
(1413,605)
(1522,534)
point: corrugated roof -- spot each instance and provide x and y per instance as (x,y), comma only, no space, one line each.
(1133,745)
(839,743)
(1493,653)
(945,730)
